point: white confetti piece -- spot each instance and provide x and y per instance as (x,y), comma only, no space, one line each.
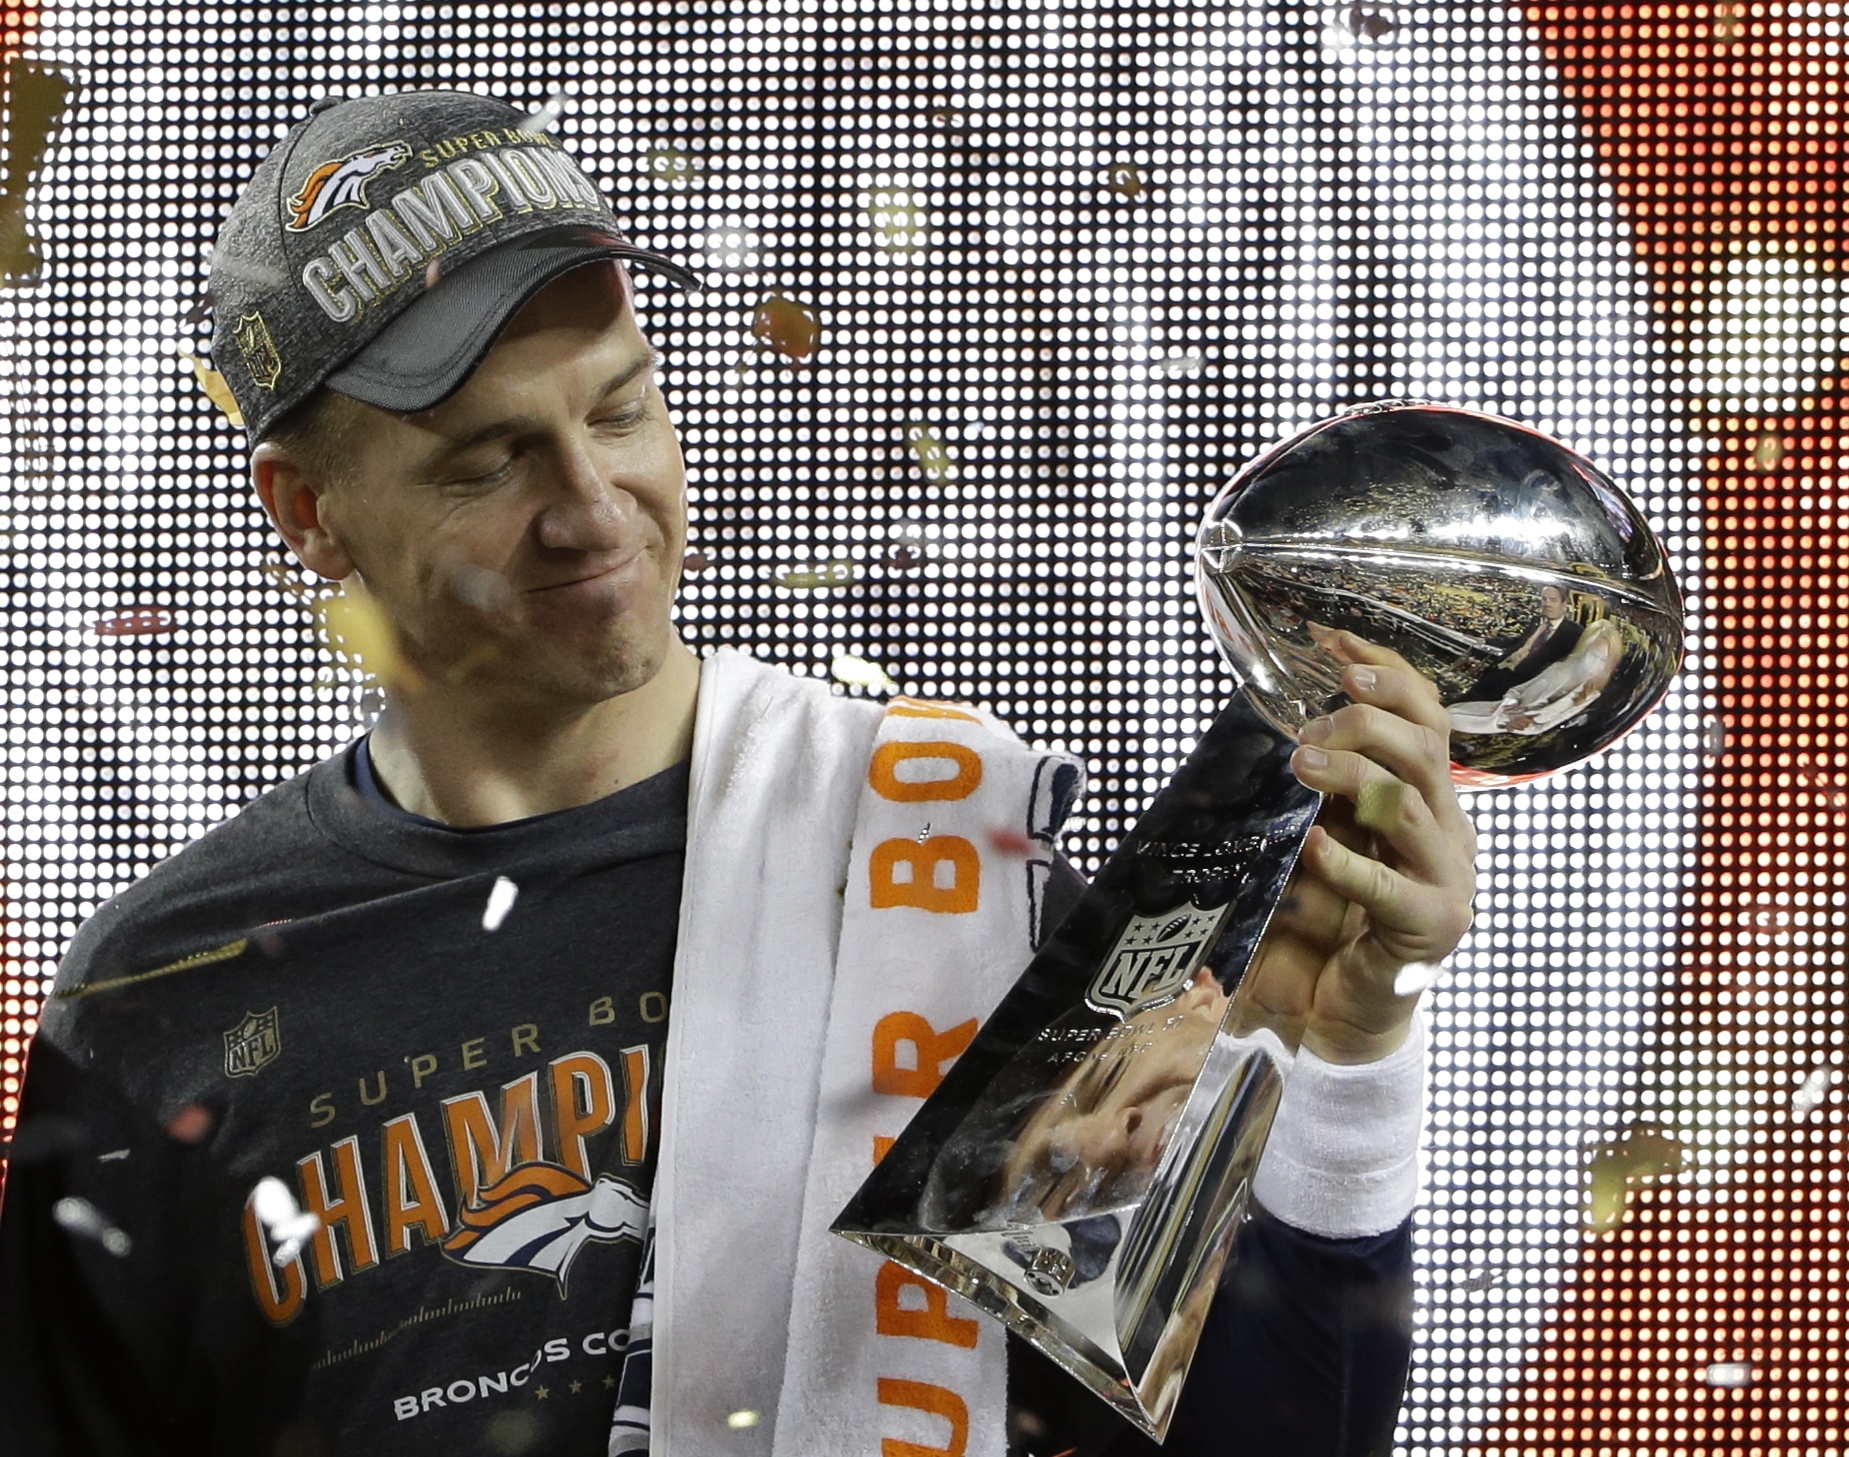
(1415,976)
(1714,740)
(1729,1374)
(547,116)
(500,901)
(1180,365)
(739,1420)
(112,1156)
(859,673)
(1810,1096)
(84,1219)
(287,1224)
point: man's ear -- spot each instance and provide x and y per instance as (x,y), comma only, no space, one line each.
(296,504)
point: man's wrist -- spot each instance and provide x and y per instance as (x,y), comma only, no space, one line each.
(1343,1157)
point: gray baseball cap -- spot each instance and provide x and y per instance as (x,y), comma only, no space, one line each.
(386,242)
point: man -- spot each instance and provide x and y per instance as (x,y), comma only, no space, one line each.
(1551,640)
(349,1126)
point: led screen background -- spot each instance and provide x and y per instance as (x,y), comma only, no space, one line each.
(1072,265)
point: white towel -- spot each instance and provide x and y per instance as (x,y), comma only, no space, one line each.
(848,897)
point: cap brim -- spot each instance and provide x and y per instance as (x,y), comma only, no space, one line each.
(429,351)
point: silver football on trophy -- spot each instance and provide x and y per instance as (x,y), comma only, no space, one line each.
(1506,567)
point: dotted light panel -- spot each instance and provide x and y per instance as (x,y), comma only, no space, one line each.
(1068,266)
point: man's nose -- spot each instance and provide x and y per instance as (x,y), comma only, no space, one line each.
(588,511)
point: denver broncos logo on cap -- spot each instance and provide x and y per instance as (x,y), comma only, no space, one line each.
(342,183)
(539,1216)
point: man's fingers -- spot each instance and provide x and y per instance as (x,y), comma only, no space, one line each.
(1410,920)
(1389,808)
(1410,751)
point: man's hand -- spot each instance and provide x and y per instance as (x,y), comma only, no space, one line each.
(1387,874)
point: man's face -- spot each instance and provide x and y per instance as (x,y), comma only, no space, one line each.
(1553,604)
(526,535)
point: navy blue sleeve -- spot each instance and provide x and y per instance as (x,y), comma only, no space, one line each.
(1304,1354)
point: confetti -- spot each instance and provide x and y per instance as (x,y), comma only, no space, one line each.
(1126,181)
(433,273)
(547,116)
(933,459)
(356,630)
(135,622)
(217,390)
(857,672)
(1646,1152)
(512,1433)
(670,164)
(84,1219)
(1366,24)
(1811,1094)
(1714,739)
(1729,1375)
(115,1155)
(1415,977)
(695,561)
(829,575)
(481,588)
(1726,25)
(902,559)
(895,220)
(500,901)
(1476,1281)
(288,1225)
(739,1420)
(38,95)
(1005,841)
(788,327)
(1379,805)
(1768,452)
(192,1124)
(1180,366)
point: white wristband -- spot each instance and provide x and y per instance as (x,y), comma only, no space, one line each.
(1343,1158)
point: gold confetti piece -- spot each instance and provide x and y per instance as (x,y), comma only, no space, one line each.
(895,220)
(1768,452)
(932,457)
(37,95)
(857,672)
(739,1420)
(788,327)
(217,390)
(1644,1153)
(134,622)
(1380,804)
(1811,1094)
(829,575)
(1727,25)
(670,164)
(84,1219)
(1126,181)
(355,629)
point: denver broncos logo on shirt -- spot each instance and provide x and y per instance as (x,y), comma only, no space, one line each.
(342,183)
(540,1215)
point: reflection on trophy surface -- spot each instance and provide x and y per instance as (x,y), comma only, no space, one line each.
(1083,1170)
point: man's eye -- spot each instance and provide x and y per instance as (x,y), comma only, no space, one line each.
(484,476)
(625,416)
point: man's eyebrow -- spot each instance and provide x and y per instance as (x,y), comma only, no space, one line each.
(514,424)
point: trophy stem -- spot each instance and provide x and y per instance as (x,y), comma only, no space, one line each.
(1083,1170)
